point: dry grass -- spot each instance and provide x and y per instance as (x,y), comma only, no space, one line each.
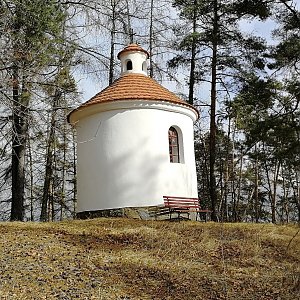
(130,259)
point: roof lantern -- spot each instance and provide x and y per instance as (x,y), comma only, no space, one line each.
(133,60)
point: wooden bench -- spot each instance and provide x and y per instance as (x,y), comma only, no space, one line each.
(182,205)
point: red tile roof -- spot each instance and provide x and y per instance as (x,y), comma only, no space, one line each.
(133,47)
(134,86)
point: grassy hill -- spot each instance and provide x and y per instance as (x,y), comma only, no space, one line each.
(131,259)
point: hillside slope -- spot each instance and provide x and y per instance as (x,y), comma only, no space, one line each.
(130,259)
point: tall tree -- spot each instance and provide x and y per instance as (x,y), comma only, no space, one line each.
(266,110)
(222,51)
(30,29)
(62,85)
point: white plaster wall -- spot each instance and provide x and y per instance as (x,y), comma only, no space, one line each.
(123,158)
(137,58)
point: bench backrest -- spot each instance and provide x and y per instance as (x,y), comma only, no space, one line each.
(181,202)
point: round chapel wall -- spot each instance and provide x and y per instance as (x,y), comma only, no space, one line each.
(123,156)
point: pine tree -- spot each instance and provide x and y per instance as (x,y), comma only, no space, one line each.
(220,50)
(30,31)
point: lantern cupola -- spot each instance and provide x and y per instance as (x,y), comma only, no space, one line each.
(133,60)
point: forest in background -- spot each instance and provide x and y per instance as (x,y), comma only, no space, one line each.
(248,137)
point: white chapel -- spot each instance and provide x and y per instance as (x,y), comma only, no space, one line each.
(135,141)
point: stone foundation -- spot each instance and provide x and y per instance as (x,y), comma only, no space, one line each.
(140,213)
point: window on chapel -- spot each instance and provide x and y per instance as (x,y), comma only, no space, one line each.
(173,145)
(129,65)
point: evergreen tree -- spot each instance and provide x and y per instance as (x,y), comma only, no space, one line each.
(31,31)
(220,50)
(267,112)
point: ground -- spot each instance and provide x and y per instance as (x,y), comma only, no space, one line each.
(132,259)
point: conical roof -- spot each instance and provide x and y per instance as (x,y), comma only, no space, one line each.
(134,86)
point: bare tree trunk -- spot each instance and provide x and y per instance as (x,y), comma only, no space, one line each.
(54,186)
(273,188)
(19,127)
(213,127)
(31,180)
(128,29)
(274,194)
(62,196)
(74,176)
(49,160)
(284,198)
(48,173)
(112,42)
(297,196)
(151,40)
(237,203)
(256,203)
(193,57)
(221,185)
(232,172)
(249,204)
(298,205)
(225,215)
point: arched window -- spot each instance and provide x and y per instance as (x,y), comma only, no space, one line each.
(129,65)
(173,145)
(144,66)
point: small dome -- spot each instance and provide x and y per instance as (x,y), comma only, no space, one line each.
(132,48)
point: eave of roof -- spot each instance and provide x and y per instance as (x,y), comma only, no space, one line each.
(133,86)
